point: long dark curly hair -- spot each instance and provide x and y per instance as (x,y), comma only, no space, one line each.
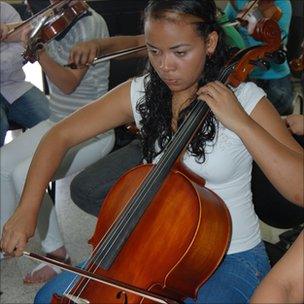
(156,106)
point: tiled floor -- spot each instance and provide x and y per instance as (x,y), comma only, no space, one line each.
(77,228)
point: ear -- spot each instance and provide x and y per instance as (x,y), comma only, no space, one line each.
(211,42)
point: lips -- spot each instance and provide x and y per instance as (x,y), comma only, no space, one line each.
(170,81)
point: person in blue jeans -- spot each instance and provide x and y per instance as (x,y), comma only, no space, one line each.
(20,101)
(275,81)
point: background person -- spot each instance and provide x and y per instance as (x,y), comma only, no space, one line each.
(284,283)
(276,81)
(69,90)
(20,101)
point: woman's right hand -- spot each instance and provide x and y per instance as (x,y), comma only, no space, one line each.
(17,231)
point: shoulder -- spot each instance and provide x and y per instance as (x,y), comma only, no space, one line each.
(95,18)
(91,26)
(249,94)
(8,13)
(284,5)
(286,9)
(138,87)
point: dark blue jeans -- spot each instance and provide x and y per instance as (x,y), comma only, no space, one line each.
(28,110)
(279,92)
(233,282)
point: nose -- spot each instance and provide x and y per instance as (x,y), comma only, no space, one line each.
(166,63)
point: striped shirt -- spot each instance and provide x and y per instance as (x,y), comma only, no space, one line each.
(95,82)
(12,78)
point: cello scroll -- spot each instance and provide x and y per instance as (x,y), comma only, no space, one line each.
(267,31)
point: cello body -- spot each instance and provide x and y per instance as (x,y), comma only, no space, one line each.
(175,247)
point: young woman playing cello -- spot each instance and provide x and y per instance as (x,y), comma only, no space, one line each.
(186,51)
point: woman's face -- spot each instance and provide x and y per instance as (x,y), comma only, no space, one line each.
(176,51)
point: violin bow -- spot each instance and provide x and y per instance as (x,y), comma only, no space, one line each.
(109,56)
(101,279)
(249,9)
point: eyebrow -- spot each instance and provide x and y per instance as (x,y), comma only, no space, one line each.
(171,48)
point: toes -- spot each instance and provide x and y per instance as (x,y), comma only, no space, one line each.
(42,275)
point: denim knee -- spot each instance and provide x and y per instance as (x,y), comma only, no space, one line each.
(30,109)
(78,192)
(279,92)
(58,285)
(236,278)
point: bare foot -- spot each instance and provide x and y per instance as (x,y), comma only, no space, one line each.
(44,272)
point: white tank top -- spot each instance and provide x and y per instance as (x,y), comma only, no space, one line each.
(227,168)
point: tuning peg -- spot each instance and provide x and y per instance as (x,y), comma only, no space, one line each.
(261,63)
(277,57)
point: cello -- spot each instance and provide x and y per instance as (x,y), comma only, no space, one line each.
(140,222)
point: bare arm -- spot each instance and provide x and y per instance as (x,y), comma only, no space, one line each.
(284,283)
(264,135)
(275,151)
(85,52)
(66,79)
(112,110)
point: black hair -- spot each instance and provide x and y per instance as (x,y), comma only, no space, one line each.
(156,106)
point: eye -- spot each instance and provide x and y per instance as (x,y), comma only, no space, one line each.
(180,53)
(153,51)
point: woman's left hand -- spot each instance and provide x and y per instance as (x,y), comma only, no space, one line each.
(224,105)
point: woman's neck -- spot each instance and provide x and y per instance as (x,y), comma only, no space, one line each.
(181,100)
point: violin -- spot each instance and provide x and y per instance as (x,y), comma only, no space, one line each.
(160,233)
(50,27)
(254,11)
(47,12)
(261,8)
